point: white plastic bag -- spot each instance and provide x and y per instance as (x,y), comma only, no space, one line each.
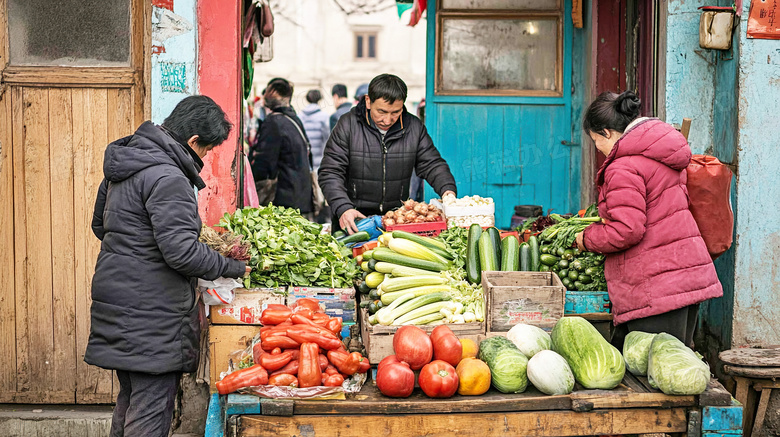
(219,291)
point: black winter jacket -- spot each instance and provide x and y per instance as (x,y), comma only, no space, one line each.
(144,308)
(281,152)
(361,170)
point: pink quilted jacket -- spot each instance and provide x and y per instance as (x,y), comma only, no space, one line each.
(656,259)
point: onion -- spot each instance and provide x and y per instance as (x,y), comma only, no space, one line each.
(389,222)
(400,220)
(418,208)
(411,215)
(423,208)
(389,214)
(409,204)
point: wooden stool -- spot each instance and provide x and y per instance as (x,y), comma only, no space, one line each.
(759,369)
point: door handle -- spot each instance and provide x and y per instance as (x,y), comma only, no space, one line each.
(569,143)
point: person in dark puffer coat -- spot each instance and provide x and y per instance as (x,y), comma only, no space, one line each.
(368,161)
(145,312)
(657,267)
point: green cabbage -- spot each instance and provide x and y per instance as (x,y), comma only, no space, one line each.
(636,351)
(507,364)
(550,373)
(529,339)
(675,368)
(595,362)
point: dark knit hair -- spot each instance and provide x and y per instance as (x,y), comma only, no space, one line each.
(388,87)
(283,87)
(339,90)
(201,116)
(611,111)
(313,96)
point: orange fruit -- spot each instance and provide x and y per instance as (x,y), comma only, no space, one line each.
(473,377)
(470,348)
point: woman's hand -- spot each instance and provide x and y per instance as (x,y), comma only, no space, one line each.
(581,242)
(248,271)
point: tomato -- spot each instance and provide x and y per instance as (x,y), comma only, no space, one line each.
(446,346)
(412,345)
(440,331)
(396,379)
(438,379)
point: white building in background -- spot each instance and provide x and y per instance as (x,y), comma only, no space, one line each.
(317,45)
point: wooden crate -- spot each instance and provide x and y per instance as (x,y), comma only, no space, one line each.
(247,306)
(533,298)
(223,341)
(378,339)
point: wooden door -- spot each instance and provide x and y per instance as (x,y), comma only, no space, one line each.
(63,98)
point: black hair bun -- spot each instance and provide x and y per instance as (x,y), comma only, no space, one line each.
(628,104)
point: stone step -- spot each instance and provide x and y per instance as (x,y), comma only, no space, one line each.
(18,420)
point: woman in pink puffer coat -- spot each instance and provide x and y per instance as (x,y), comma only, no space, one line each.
(657,267)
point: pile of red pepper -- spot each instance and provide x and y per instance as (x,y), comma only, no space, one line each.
(298,347)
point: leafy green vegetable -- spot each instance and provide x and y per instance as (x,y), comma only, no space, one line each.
(595,363)
(636,351)
(563,233)
(456,239)
(507,364)
(550,373)
(675,368)
(288,249)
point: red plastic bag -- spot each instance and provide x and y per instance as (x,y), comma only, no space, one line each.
(709,189)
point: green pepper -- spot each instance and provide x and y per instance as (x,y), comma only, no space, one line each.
(573,275)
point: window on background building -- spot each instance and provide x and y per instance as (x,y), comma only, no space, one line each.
(500,47)
(365,45)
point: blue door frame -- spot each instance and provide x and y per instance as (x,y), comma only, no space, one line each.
(515,149)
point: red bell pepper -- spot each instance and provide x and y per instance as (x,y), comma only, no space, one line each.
(281,341)
(328,342)
(268,331)
(290,368)
(299,319)
(364,364)
(249,377)
(276,351)
(275,362)
(347,364)
(333,380)
(334,325)
(257,352)
(295,352)
(275,314)
(324,363)
(305,312)
(283,380)
(330,370)
(309,374)
(310,303)
(320,319)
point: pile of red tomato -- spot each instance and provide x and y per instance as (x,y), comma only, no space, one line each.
(435,356)
(298,347)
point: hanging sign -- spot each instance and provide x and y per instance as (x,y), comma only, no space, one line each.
(764,19)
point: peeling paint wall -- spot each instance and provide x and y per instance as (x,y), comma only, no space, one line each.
(174,55)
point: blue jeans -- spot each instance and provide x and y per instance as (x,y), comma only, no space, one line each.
(144,406)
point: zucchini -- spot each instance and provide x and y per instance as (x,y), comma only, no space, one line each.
(401,271)
(510,254)
(386,315)
(495,237)
(367,254)
(373,279)
(428,242)
(383,267)
(473,269)
(548,260)
(372,264)
(424,320)
(364,267)
(415,250)
(387,255)
(423,306)
(402,283)
(339,234)
(357,237)
(533,244)
(525,257)
(390,297)
(487,253)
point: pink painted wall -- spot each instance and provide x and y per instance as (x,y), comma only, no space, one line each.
(219,73)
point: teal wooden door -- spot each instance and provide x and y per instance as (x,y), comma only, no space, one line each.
(516,149)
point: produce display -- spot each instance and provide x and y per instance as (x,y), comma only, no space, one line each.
(507,364)
(468,210)
(594,362)
(550,373)
(412,212)
(675,368)
(287,249)
(579,271)
(636,351)
(296,347)
(412,280)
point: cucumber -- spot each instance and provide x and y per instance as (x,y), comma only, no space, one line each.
(548,260)
(473,269)
(367,254)
(357,237)
(487,253)
(510,254)
(387,255)
(495,237)
(339,234)
(525,257)
(533,244)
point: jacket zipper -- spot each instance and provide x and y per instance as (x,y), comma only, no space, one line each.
(384,175)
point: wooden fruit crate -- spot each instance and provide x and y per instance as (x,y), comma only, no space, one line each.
(533,298)
(378,339)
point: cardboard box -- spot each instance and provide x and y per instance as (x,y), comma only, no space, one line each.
(247,306)
(533,298)
(337,302)
(223,341)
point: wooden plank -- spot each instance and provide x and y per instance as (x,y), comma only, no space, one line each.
(36,397)
(714,395)
(544,423)
(215,421)
(598,399)
(69,77)
(62,240)
(20,244)
(749,357)
(38,279)
(758,425)
(633,383)
(752,372)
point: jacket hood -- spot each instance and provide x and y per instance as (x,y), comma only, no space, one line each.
(147,147)
(311,109)
(653,139)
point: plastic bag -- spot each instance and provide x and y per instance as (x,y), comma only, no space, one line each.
(219,291)
(709,190)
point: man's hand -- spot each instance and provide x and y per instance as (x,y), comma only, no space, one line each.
(347,220)
(447,193)
(248,271)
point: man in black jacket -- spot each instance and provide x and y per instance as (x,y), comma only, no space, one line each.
(145,312)
(368,160)
(282,152)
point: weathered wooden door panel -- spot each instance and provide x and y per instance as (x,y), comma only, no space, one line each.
(55,123)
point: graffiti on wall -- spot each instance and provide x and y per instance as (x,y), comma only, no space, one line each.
(174,77)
